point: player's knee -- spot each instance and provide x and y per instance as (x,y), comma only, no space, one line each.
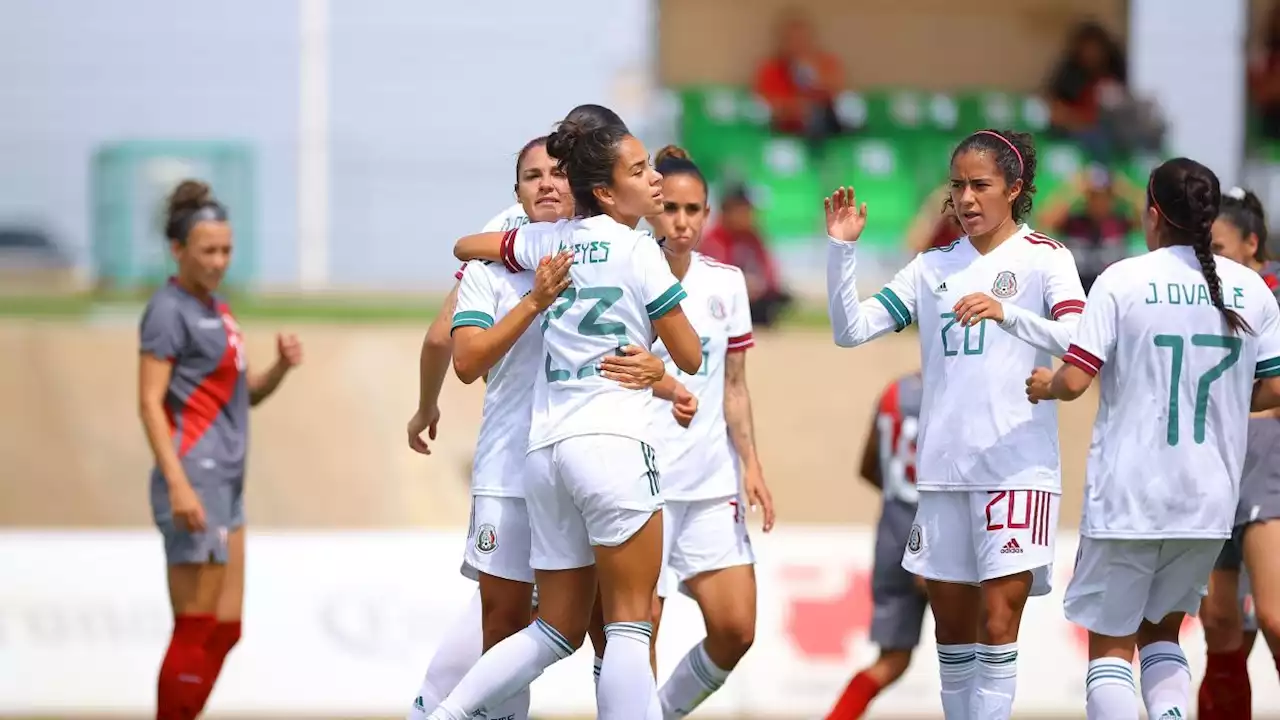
(1222,624)
(502,622)
(732,637)
(1000,624)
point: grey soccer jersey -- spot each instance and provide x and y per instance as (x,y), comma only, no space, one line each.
(208,399)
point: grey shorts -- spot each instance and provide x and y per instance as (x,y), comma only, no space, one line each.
(221,492)
(899,606)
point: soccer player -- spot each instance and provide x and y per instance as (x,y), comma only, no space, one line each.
(709,467)
(1182,336)
(194,395)
(1230,628)
(592,487)
(462,646)
(889,463)
(991,306)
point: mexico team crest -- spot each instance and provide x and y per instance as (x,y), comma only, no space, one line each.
(486,539)
(915,540)
(1005,286)
(716,306)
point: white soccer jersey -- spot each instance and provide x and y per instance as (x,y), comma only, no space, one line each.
(699,462)
(1169,438)
(488,292)
(621,283)
(509,219)
(978,430)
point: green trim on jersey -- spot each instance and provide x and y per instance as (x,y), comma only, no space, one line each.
(472,318)
(1267,368)
(667,300)
(896,308)
(946,248)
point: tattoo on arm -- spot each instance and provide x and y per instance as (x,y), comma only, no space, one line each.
(737,406)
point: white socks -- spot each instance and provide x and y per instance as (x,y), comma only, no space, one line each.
(694,680)
(458,651)
(626,690)
(508,667)
(957,668)
(996,683)
(1166,681)
(595,670)
(1110,691)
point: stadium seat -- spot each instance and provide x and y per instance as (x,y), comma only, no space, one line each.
(1057,163)
(785,187)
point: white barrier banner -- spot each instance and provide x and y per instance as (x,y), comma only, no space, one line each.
(344,624)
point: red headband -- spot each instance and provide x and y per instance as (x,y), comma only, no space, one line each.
(1021,165)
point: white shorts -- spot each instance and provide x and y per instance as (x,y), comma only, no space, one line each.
(1119,583)
(973,536)
(585,491)
(498,540)
(700,536)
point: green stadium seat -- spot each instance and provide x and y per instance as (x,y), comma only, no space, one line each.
(894,111)
(786,188)
(1056,164)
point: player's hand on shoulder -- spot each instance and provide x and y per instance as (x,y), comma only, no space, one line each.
(845,218)
(424,420)
(289,350)
(684,406)
(550,279)
(634,368)
(975,307)
(1038,385)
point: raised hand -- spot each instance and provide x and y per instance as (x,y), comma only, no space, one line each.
(845,219)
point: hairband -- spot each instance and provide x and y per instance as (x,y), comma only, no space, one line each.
(1021,165)
(212,212)
(1151,193)
(1237,193)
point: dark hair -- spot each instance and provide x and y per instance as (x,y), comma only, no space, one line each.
(673,160)
(1186,195)
(1015,156)
(587,158)
(593,117)
(1244,211)
(536,142)
(189,204)
(1115,64)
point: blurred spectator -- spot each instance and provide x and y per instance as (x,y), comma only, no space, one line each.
(1088,98)
(1264,76)
(934,226)
(735,240)
(800,82)
(1093,215)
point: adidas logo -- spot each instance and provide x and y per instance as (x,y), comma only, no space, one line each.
(942,287)
(417,703)
(1172,714)
(1011,547)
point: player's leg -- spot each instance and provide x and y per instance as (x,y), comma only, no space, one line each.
(621,508)
(1225,687)
(196,570)
(561,556)
(1014,533)
(230,608)
(1263,567)
(595,631)
(458,650)
(1177,588)
(673,515)
(713,563)
(500,551)
(1107,596)
(940,549)
(899,605)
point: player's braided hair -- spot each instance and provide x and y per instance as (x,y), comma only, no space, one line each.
(1186,195)
(1015,154)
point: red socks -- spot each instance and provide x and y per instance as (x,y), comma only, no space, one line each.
(185,671)
(858,694)
(225,635)
(1225,692)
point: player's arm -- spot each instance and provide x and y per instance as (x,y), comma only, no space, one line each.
(1095,342)
(264,384)
(162,337)
(870,469)
(1064,296)
(663,294)
(855,321)
(737,408)
(1266,391)
(437,352)
(479,343)
(518,250)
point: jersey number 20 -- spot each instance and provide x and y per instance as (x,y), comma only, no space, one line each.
(1176,344)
